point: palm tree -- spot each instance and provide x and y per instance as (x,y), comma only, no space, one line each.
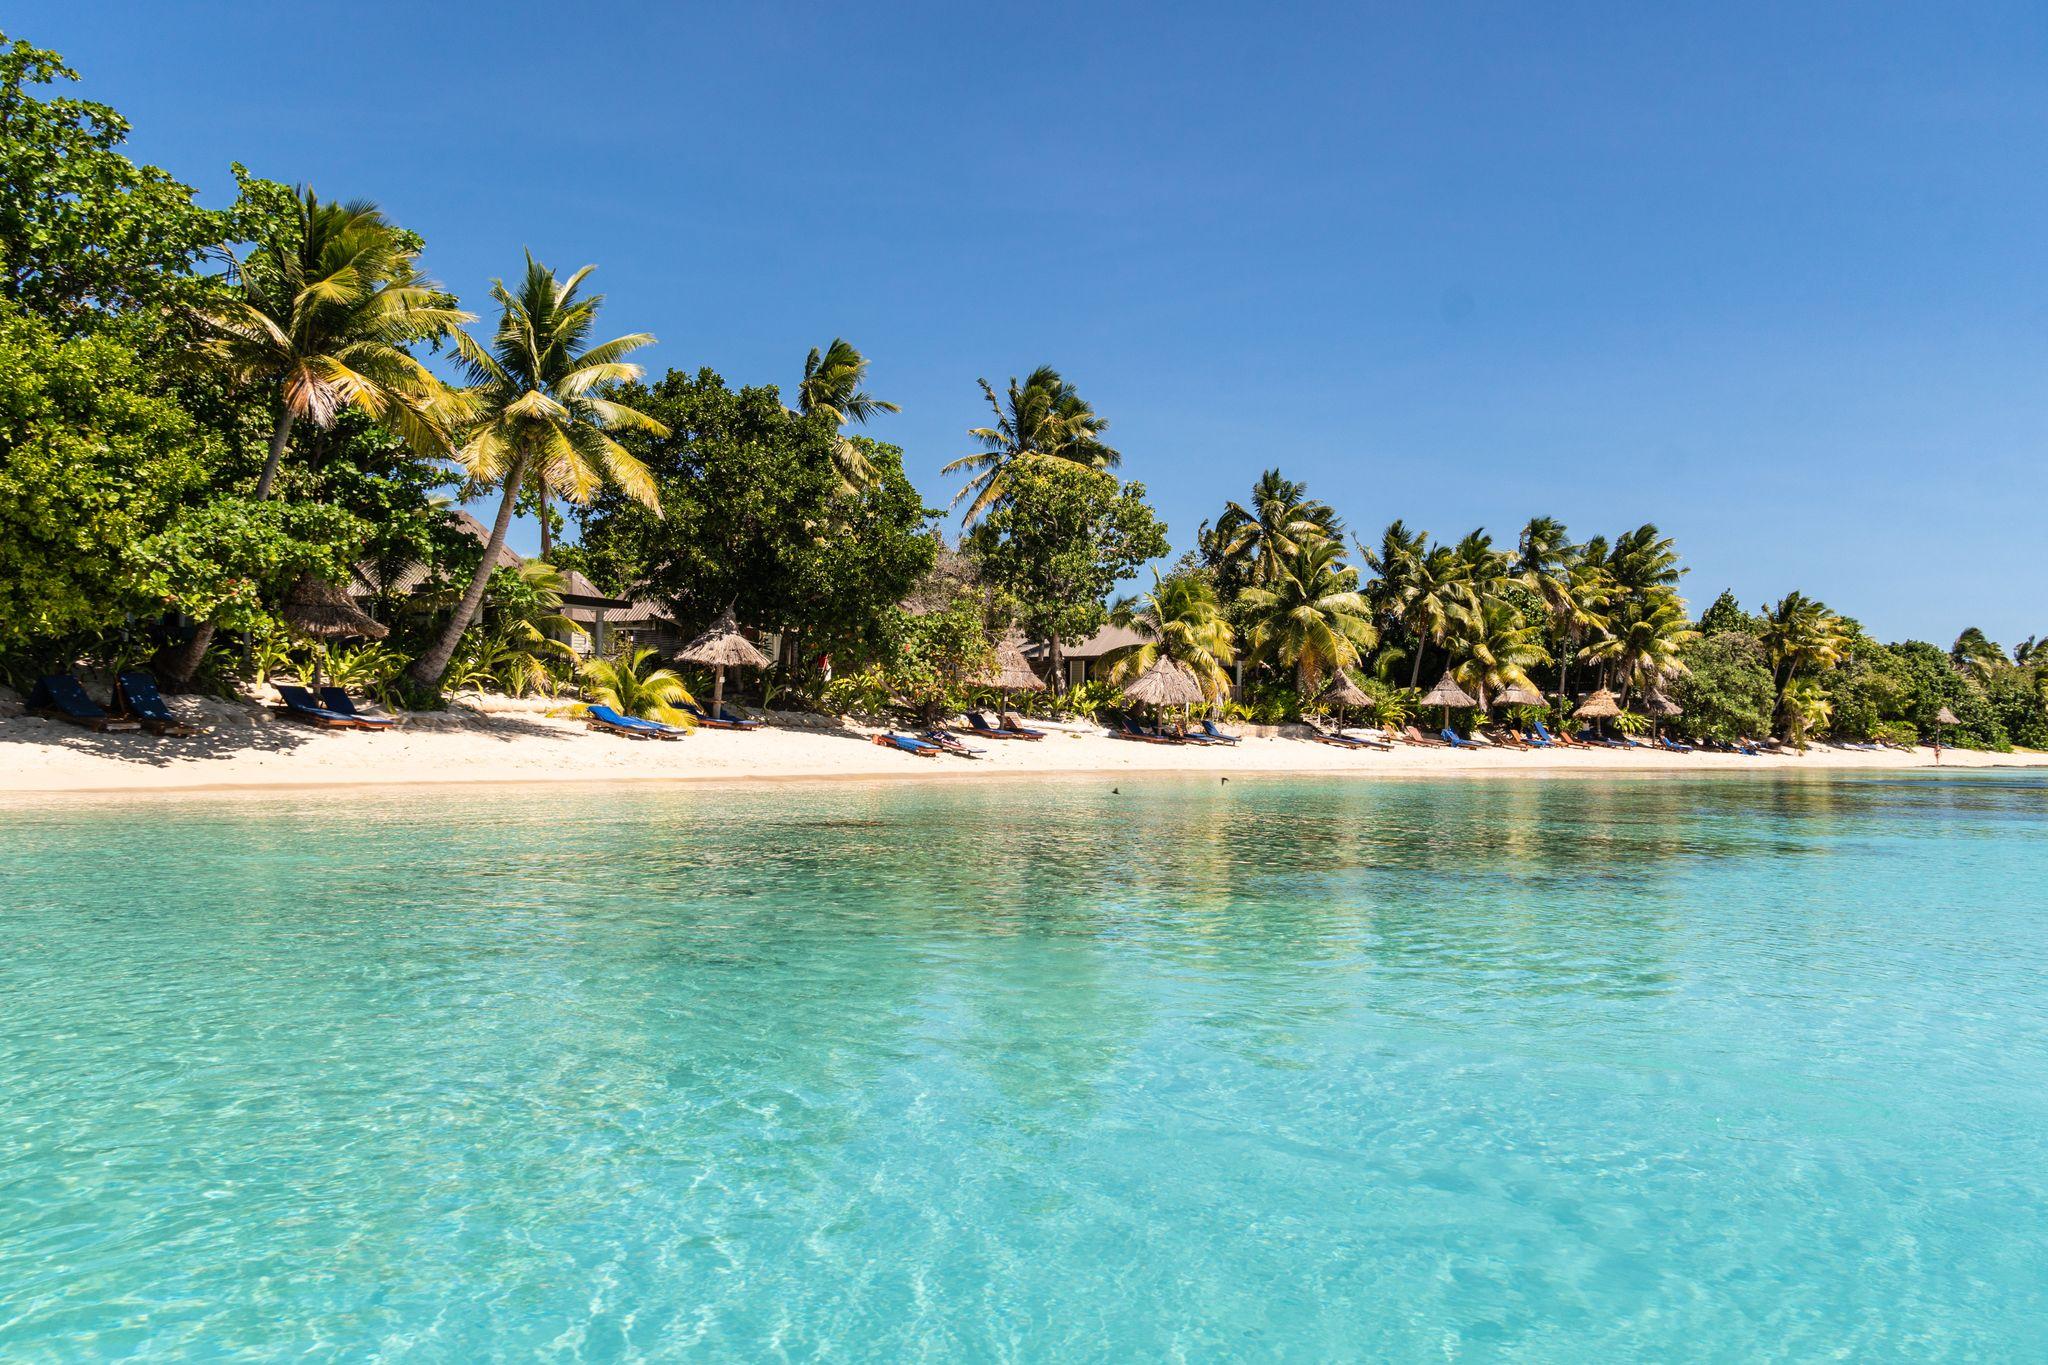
(1642,650)
(832,385)
(1495,649)
(632,687)
(1393,564)
(326,314)
(1045,417)
(1255,540)
(1975,656)
(1801,636)
(540,415)
(1572,587)
(1180,619)
(1311,617)
(1642,559)
(1437,595)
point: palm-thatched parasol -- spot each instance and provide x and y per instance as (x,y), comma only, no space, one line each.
(1945,717)
(1599,705)
(1168,682)
(1519,694)
(722,647)
(1343,692)
(1660,707)
(1447,694)
(321,611)
(1011,671)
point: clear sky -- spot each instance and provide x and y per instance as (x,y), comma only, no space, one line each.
(1770,276)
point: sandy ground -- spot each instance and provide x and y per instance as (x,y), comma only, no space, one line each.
(248,747)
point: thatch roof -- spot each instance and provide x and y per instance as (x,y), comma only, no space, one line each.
(723,646)
(1168,682)
(1945,717)
(1519,694)
(1011,671)
(1448,693)
(1342,691)
(322,609)
(1657,704)
(1598,706)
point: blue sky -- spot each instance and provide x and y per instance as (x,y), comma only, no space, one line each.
(1772,277)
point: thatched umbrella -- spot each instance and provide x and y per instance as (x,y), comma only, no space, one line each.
(1168,682)
(1011,671)
(722,647)
(1447,694)
(1518,694)
(1660,707)
(1599,705)
(321,611)
(1942,717)
(1343,692)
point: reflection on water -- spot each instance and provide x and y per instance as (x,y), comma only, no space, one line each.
(1031,1070)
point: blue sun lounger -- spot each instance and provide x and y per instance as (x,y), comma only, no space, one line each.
(724,720)
(338,700)
(922,748)
(633,727)
(1220,736)
(299,704)
(1673,745)
(1455,740)
(62,697)
(136,695)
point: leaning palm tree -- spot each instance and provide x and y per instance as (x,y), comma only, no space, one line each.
(1044,418)
(326,314)
(832,385)
(1311,617)
(1976,656)
(1802,636)
(1180,619)
(632,686)
(541,415)
(1255,540)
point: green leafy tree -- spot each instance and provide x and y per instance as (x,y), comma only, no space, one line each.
(542,414)
(1045,417)
(1311,618)
(1725,688)
(1061,537)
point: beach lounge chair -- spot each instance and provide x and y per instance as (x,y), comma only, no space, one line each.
(137,697)
(922,748)
(1538,734)
(301,705)
(1504,737)
(1016,729)
(1220,736)
(338,700)
(1673,745)
(950,742)
(632,727)
(62,697)
(977,725)
(1367,741)
(724,720)
(1452,738)
(1123,727)
(1536,739)
(1335,739)
(1416,737)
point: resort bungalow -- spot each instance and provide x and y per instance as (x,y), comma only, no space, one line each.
(1084,659)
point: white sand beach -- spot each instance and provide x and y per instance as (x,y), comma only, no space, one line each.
(246,746)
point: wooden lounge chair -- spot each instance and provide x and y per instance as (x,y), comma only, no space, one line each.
(136,695)
(62,697)
(609,721)
(338,700)
(1220,736)
(978,726)
(950,742)
(1672,745)
(1416,737)
(1123,727)
(921,748)
(1455,740)
(1017,729)
(301,705)
(724,720)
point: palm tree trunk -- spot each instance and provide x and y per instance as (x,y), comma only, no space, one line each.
(1415,673)
(546,541)
(430,667)
(183,665)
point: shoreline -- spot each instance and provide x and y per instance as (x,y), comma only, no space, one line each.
(517,745)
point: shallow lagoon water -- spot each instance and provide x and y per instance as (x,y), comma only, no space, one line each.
(1563,1069)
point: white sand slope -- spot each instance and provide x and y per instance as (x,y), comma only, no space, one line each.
(515,742)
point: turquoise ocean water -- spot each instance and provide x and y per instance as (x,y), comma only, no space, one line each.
(1553,1070)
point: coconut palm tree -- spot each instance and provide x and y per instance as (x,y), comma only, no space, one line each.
(1180,619)
(1044,418)
(541,415)
(1437,594)
(1573,588)
(632,686)
(1975,656)
(832,385)
(1494,649)
(1255,540)
(1801,636)
(326,314)
(1641,650)
(1311,617)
